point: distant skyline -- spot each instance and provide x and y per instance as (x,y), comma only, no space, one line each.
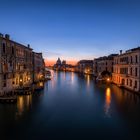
(72,29)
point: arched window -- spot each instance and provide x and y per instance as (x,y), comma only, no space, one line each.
(135,84)
(4,49)
(136,71)
(12,49)
(130,71)
(136,59)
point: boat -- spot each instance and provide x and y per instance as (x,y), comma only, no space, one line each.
(101,79)
(48,75)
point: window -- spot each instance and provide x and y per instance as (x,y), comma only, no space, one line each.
(136,71)
(131,59)
(4,84)
(130,71)
(136,58)
(123,70)
(112,69)
(4,76)
(130,83)
(10,63)
(135,84)
(4,50)
(127,81)
(12,49)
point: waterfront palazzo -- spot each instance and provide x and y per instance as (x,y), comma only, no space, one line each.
(19,65)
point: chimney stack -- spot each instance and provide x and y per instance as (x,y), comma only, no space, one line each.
(28,45)
(1,35)
(7,36)
(120,51)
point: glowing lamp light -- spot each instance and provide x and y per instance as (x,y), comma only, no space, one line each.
(41,84)
(20,80)
(40,75)
(108,79)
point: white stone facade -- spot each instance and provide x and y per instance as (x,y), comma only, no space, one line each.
(126,71)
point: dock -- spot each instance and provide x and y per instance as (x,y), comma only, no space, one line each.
(8,99)
(24,91)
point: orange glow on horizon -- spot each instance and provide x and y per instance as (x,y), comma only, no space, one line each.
(52,62)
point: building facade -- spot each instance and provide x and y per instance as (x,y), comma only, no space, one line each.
(63,66)
(38,67)
(103,64)
(127,69)
(16,64)
(85,66)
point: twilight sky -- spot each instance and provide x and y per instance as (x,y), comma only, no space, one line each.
(72,29)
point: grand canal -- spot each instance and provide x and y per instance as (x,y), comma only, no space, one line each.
(72,107)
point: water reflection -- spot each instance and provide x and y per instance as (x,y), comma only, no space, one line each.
(107,101)
(125,99)
(72,77)
(64,76)
(54,76)
(24,103)
(63,106)
(88,84)
(88,80)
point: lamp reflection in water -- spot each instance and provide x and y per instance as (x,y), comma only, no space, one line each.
(88,80)
(72,77)
(23,104)
(107,102)
(88,84)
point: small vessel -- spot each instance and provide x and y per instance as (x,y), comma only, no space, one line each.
(48,75)
(99,79)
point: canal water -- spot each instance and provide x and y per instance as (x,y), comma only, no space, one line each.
(72,107)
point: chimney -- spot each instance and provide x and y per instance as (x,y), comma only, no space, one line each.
(120,51)
(1,35)
(7,36)
(28,45)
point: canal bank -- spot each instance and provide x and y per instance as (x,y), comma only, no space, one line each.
(72,107)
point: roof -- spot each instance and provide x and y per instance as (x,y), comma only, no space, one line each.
(109,57)
(27,47)
(134,49)
(85,61)
(130,51)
